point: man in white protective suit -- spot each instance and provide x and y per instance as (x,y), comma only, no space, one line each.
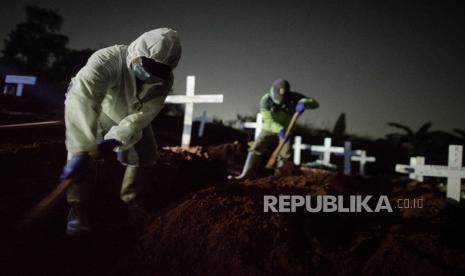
(109,106)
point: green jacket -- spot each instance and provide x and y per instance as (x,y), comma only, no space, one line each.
(276,117)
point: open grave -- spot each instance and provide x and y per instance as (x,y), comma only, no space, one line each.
(204,224)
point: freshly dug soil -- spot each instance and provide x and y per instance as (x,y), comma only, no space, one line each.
(223,230)
(204,224)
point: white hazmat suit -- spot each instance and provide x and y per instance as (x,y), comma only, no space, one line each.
(104,100)
(106,85)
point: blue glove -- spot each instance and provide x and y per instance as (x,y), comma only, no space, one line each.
(77,167)
(105,147)
(300,108)
(282,135)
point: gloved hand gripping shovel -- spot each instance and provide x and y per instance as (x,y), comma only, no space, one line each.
(272,161)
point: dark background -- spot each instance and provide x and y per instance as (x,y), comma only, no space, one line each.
(377,61)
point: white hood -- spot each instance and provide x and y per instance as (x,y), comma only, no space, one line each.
(161,45)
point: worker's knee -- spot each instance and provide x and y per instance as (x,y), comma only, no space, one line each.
(80,191)
(134,180)
(263,142)
(75,194)
(284,155)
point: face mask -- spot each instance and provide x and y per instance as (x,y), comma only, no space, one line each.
(140,72)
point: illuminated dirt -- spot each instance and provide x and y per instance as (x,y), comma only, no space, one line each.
(206,225)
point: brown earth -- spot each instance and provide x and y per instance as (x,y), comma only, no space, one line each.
(206,225)
(223,230)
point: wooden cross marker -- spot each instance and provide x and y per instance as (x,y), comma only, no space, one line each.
(363,159)
(326,150)
(258,124)
(189,99)
(454,172)
(20,81)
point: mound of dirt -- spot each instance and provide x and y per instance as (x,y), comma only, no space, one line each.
(205,225)
(31,173)
(219,232)
(223,230)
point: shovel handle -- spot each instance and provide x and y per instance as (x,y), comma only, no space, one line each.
(47,203)
(272,161)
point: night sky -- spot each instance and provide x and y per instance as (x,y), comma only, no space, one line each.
(377,61)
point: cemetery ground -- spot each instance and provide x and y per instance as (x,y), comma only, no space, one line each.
(204,224)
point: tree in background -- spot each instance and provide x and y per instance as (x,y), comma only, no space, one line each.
(339,130)
(413,141)
(35,44)
(37,47)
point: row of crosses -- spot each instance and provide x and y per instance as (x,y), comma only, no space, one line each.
(453,172)
(417,169)
(323,151)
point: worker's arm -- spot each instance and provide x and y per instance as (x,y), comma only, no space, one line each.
(304,103)
(129,130)
(309,103)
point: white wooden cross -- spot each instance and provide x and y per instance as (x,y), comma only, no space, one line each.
(419,160)
(298,147)
(361,156)
(326,151)
(258,125)
(454,172)
(189,99)
(20,81)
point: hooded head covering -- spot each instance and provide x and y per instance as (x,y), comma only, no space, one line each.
(279,90)
(161,45)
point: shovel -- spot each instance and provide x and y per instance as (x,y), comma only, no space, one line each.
(47,204)
(272,161)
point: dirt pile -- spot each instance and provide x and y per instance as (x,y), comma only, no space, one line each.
(223,230)
(205,225)
(31,172)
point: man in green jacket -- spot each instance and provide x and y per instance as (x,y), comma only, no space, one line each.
(277,108)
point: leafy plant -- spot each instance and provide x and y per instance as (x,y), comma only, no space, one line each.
(414,141)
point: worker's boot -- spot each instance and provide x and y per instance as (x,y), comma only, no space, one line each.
(78,221)
(135,178)
(79,201)
(283,157)
(250,167)
(278,168)
(78,196)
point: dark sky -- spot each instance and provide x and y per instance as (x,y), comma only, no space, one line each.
(377,61)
